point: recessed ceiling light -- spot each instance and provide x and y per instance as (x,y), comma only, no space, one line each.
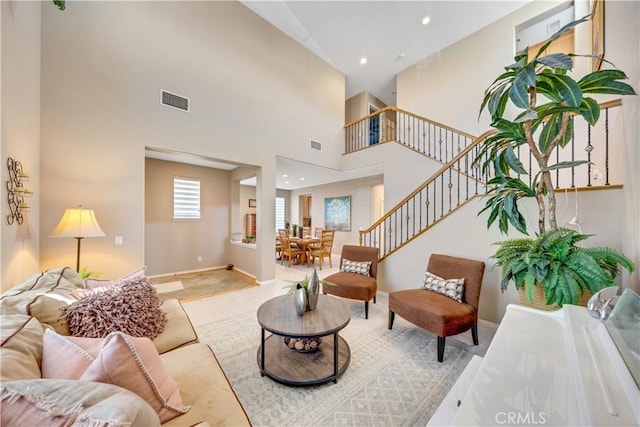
(426,20)
(363,60)
(302,178)
(286,182)
(285,175)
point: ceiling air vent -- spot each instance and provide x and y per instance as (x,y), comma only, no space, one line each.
(175,101)
(316,145)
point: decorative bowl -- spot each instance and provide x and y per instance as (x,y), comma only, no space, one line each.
(302,345)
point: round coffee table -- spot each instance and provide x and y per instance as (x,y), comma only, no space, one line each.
(288,366)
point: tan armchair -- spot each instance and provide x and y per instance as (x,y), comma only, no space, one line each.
(322,249)
(438,313)
(355,285)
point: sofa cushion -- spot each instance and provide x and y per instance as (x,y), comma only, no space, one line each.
(452,288)
(44,296)
(178,331)
(211,397)
(132,308)
(21,347)
(65,402)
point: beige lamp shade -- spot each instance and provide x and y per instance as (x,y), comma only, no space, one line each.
(78,222)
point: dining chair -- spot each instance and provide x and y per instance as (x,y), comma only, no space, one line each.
(289,251)
(322,249)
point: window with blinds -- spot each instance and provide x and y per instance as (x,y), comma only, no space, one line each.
(186,198)
(279,213)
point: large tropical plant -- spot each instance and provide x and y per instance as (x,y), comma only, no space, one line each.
(546,97)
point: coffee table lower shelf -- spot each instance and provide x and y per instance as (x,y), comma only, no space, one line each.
(290,367)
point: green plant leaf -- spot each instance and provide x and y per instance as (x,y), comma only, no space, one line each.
(518,93)
(513,161)
(558,33)
(597,77)
(557,60)
(526,115)
(568,88)
(566,164)
(590,110)
(612,88)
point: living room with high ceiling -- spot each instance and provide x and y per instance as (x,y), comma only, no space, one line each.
(82,110)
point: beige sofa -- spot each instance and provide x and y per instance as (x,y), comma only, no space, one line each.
(28,309)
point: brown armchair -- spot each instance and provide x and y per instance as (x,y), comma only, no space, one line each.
(355,285)
(438,313)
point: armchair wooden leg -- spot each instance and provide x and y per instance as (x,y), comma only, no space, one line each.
(392,317)
(366,309)
(374,299)
(440,349)
(474,334)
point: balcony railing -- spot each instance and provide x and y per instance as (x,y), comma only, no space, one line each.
(456,182)
(430,138)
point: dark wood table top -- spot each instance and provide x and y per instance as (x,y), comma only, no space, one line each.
(278,315)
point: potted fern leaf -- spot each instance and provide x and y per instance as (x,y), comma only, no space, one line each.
(546,96)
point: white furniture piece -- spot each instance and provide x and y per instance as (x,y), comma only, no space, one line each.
(549,368)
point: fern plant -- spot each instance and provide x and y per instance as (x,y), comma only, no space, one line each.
(555,261)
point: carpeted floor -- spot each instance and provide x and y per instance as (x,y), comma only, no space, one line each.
(393,378)
(201,284)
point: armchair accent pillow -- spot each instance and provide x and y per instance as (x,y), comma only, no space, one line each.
(452,288)
(358,267)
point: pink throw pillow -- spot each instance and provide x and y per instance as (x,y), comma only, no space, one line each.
(134,364)
(129,362)
(67,358)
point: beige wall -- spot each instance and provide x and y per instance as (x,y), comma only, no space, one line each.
(175,246)
(254,93)
(20,139)
(357,106)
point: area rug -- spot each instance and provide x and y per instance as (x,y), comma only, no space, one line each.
(200,284)
(393,378)
(163,288)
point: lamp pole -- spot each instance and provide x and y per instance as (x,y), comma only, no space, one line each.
(78,254)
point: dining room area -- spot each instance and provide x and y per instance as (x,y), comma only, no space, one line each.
(305,248)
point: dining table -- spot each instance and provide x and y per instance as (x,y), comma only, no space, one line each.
(304,243)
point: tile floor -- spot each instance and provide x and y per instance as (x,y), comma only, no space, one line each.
(222,306)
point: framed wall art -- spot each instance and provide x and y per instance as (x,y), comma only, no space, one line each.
(337,213)
(252,203)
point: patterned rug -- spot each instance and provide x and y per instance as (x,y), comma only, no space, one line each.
(393,379)
(200,284)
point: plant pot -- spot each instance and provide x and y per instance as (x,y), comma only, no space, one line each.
(539,300)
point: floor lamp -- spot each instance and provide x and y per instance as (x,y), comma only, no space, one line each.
(78,223)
